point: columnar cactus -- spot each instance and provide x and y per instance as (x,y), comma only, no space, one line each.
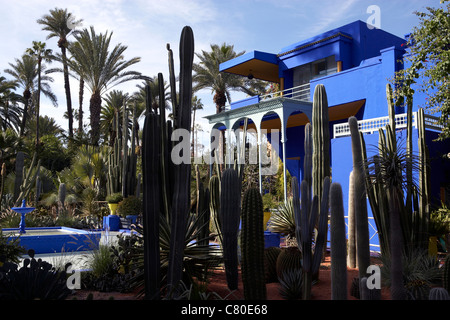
(252,246)
(62,195)
(182,171)
(214,204)
(151,151)
(306,212)
(360,206)
(351,256)
(338,244)
(229,217)
(20,162)
(320,140)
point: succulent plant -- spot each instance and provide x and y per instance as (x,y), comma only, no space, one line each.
(252,246)
(338,247)
(229,217)
(36,279)
(438,294)
(270,263)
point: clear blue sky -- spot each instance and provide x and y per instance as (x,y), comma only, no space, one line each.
(146,26)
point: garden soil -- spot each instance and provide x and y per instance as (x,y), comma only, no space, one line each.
(218,285)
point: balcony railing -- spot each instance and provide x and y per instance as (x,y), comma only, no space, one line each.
(301,93)
(372,125)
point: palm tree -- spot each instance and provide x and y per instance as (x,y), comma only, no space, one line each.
(111,117)
(207,75)
(9,108)
(25,73)
(40,53)
(59,23)
(101,69)
(140,95)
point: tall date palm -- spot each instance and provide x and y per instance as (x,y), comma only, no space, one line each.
(24,72)
(102,69)
(41,54)
(60,24)
(207,75)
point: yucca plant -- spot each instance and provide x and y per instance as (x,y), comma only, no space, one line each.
(282,221)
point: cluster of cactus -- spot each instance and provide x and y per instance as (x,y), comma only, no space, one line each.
(25,179)
(402,221)
(306,212)
(166,186)
(252,246)
(34,280)
(311,209)
(122,161)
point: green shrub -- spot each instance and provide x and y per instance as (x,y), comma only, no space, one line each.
(10,250)
(114,198)
(130,206)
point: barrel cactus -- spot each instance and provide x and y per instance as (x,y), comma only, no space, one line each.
(439,294)
(289,258)
(270,263)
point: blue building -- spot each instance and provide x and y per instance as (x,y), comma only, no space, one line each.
(354,63)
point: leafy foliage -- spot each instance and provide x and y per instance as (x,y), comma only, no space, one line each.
(429,57)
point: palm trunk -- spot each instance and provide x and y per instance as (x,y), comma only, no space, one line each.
(67,89)
(95,105)
(80,109)
(26,97)
(38,103)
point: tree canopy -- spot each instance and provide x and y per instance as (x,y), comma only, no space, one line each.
(428,62)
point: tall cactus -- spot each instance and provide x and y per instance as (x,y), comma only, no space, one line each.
(20,163)
(229,216)
(360,206)
(151,153)
(214,204)
(338,244)
(252,246)
(122,161)
(27,177)
(182,171)
(62,196)
(351,256)
(306,211)
(320,140)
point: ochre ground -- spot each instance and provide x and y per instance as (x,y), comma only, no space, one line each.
(319,291)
